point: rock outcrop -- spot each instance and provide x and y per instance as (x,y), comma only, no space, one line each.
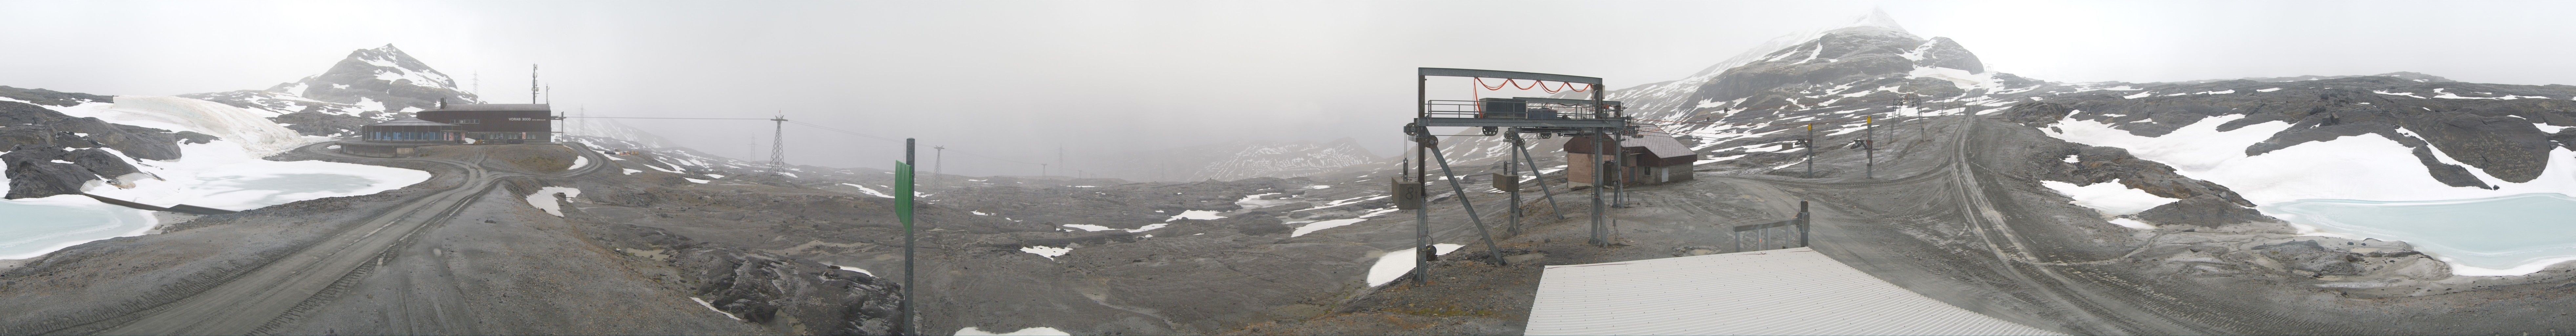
(787,294)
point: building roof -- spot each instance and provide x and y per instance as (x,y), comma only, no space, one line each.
(1660,146)
(1777,292)
(411,122)
(496,107)
(1664,147)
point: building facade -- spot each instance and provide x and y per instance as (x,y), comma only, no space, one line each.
(410,130)
(497,123)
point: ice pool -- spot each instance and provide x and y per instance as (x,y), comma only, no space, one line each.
(35,226)
(2496,236)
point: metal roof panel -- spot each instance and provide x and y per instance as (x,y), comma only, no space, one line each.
(1776,292)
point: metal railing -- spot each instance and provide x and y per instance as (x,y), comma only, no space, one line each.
(1770,236)
(1531,110)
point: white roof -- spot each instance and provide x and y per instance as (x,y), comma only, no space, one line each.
(1776,292)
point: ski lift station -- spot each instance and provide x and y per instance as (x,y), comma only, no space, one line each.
(1782,286)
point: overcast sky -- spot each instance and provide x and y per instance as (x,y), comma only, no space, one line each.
(1018,79)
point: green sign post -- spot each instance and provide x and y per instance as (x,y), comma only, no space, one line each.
(903,211)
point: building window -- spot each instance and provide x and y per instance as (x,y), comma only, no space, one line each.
(469,121)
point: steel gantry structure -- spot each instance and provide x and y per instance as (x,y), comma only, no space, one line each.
(1509,117)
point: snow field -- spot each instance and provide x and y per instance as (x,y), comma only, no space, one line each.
(2369,167)
(2363,167)
(225,174)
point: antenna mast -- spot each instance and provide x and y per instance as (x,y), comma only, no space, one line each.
(532,83)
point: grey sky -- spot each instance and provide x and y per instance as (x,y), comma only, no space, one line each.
(1020,78)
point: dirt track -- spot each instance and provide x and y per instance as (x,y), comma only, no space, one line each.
(285,287)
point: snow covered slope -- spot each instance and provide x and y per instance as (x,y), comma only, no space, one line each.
(1286,160)
(369,86)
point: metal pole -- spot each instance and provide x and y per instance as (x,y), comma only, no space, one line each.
(1542,179)
(1422,214)
(1804,221)
(1490,249)
(1811,150)
(1869,145)
(909,328)
(1619,186)
(939,159)
(1599,179)
(1513,167)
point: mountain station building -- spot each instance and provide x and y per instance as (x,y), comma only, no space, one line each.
(1650,160)
(497,123)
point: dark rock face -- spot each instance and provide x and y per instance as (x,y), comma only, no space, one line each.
(2306,255)
(22,123)
(33,172)
(2203,210)
(42,140)
(2097,164)
(51,97)
(101,162)
(1948,54)
(1860,52)
(2493,128)
(789,295)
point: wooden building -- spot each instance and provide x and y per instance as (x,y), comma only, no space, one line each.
(1651,160)
(497,123)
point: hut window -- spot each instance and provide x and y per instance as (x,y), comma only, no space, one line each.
(469,121)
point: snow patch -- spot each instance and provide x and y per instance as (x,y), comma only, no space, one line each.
(1038,331)
(1319,226)
(544,199)
(1194,214)
(1049,252)
(1395,264)
(2111,198)
(712,306)
(870,192)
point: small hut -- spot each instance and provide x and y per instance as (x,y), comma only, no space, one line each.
(1650,160)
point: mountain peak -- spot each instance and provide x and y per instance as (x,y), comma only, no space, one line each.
(1877,18)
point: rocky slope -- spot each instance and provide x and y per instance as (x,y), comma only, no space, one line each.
(55,154)
(1227,161)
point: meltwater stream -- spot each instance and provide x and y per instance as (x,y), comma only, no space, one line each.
(2496,236)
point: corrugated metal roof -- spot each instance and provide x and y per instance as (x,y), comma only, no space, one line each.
(1777,292)
(411,122)
(1664,147)
(1660,146)
(496,107)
